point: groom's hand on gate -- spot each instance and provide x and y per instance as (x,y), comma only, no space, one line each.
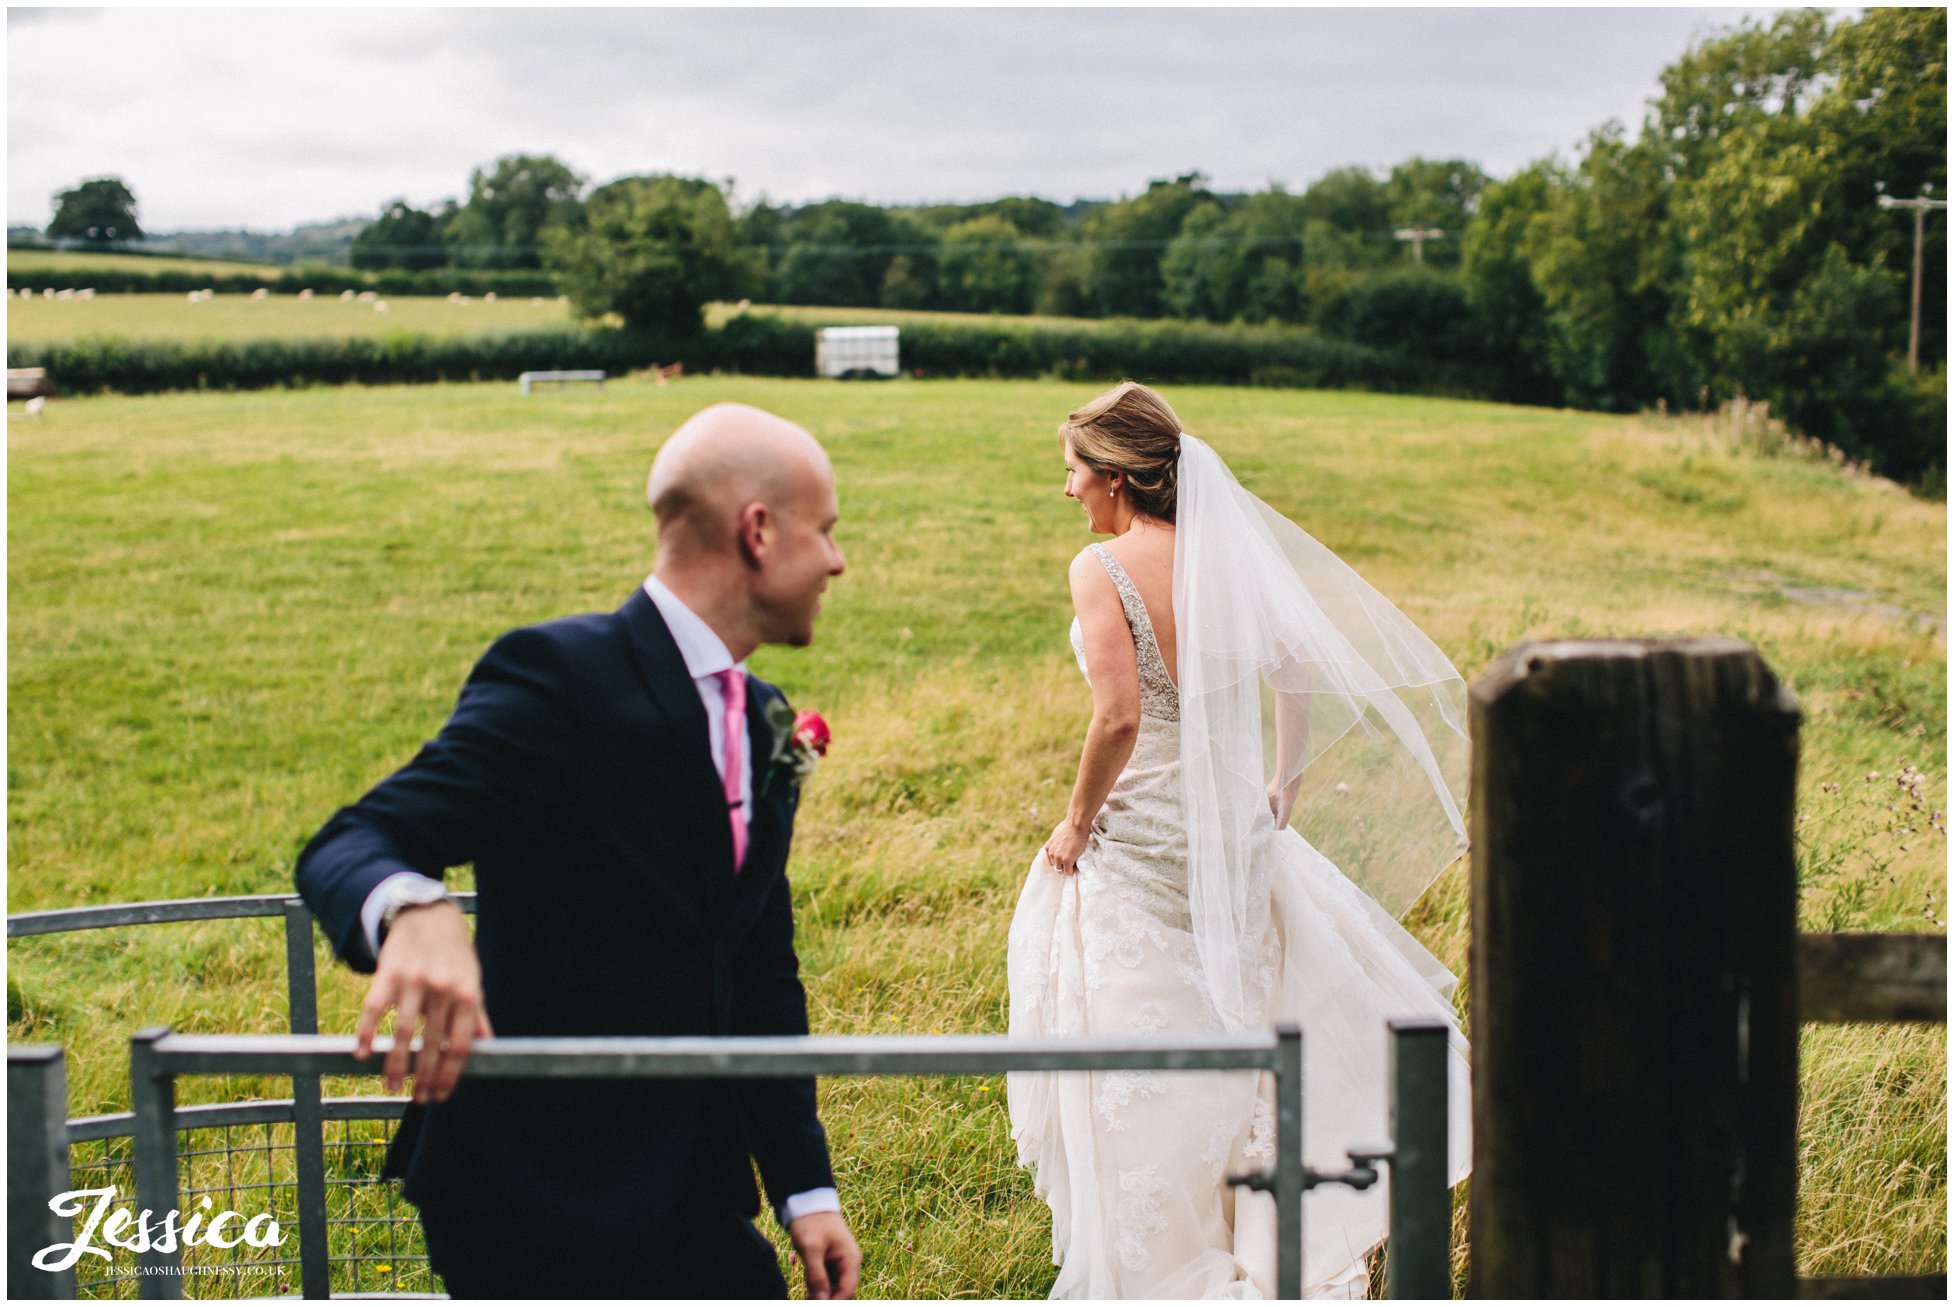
(428,973)
(829,1256)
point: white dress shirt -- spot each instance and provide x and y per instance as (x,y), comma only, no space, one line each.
(705,656)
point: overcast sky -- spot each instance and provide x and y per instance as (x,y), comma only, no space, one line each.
(266,118)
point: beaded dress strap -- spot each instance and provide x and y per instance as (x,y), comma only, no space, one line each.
(1158,697)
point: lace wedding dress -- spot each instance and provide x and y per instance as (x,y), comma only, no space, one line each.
(1133,1163)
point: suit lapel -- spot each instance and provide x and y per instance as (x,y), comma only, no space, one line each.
(700,800)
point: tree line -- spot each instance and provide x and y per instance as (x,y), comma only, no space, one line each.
(1178,249)
(1735,245)
(1732,245)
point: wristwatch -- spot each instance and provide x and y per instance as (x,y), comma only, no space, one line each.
(409,893)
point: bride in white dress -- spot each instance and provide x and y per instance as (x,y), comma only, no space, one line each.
(1241,676)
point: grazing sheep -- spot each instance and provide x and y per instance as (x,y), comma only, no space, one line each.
(65,295)
(368,296)
(306,294)
(261,294)
(346,296)
(85,293)
(489,298)
(48,293)
(36,405)
(454,297)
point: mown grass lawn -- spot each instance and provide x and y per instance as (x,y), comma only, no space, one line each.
(229,614)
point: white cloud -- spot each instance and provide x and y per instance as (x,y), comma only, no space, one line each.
(270,117)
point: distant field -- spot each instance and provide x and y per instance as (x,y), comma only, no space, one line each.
(230,613)
(71,267)
(240,317)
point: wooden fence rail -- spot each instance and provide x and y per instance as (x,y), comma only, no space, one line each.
(1866,978)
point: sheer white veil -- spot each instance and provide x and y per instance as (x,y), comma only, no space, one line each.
(1296,676)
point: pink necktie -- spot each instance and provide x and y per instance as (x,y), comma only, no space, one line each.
(733,682)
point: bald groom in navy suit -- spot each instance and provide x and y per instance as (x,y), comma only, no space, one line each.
(630,858)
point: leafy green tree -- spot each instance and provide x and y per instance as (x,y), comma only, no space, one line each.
(100,210)
(1409,309)
(1597,254)
(1191,272)
(1349,199)
(1440,193)
(402,237)
(985,267)
(654,250)
(1883,125)
(910,277)
(1241,263)
(510,204)
(1062,283)
(762,231)
(903,286)
(1127,240)
(1039,220)
(840,251)
(1735,80)
(1496,271)
(1818,359)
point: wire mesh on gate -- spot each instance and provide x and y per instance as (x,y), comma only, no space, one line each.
(247,1169)
(373,1236)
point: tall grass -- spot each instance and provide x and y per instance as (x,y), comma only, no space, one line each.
(231,613)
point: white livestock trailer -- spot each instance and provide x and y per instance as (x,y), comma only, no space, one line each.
(856,352)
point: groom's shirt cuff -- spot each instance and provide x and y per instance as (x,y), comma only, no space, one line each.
(383,896)
(806,1204)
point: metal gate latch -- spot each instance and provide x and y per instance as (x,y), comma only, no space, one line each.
(1361,1175)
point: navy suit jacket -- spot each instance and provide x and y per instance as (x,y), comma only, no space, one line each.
(576,775)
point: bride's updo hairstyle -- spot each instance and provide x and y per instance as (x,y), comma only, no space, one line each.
(1131,430)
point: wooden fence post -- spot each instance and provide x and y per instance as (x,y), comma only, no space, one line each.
(1634,1008)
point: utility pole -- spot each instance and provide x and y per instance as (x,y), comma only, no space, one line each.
(1919,204)
(1418,236)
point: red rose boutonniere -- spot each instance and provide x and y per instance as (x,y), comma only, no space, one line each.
(800,741)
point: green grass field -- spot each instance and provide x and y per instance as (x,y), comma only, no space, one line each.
(240,317)
(71,267)
(229,614)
